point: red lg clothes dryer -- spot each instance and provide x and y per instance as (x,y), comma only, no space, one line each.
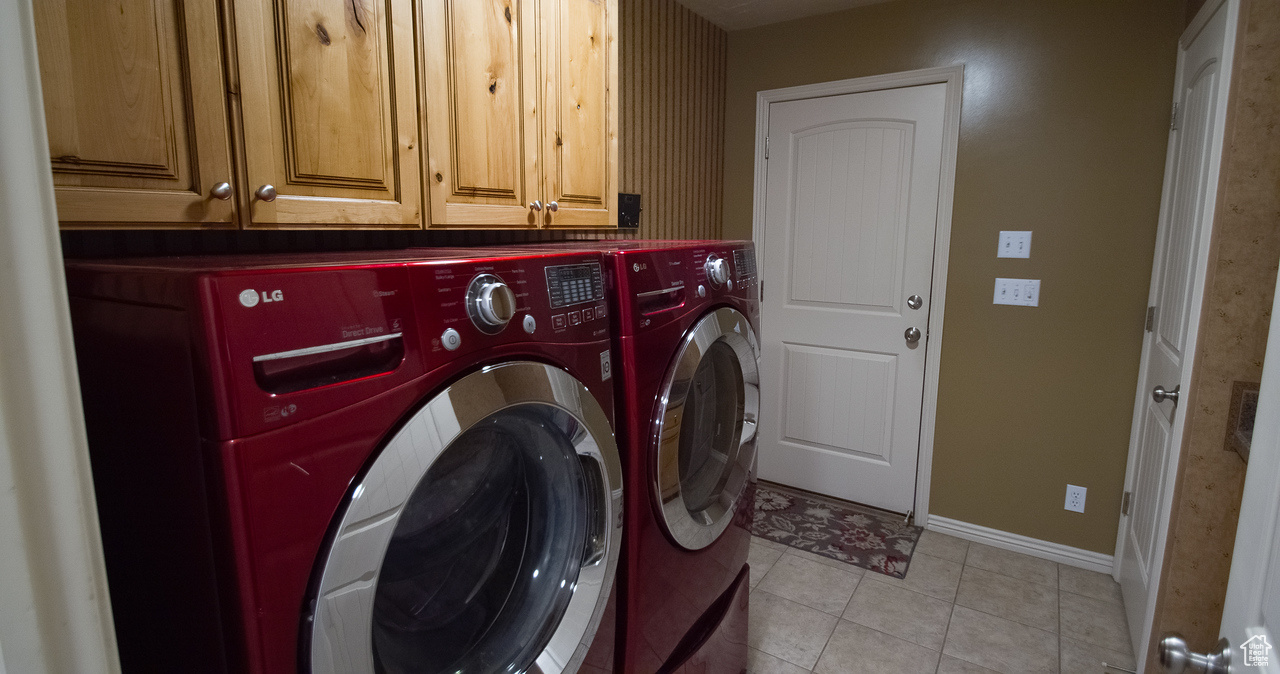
(352,463)
(685,321)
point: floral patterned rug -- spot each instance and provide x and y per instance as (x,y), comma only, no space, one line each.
(865,537)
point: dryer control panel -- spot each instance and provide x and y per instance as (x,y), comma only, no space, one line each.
(666,282)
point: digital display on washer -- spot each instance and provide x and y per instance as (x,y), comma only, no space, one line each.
(744,262)
(571,284)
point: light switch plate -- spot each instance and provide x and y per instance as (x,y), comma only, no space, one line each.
(1019,292)
(1014,244)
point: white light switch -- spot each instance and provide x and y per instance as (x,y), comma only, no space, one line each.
(1019,292)
(1014,244)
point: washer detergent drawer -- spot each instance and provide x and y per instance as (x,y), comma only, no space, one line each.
(298,344)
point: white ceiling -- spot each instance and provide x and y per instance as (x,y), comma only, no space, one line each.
(739,14)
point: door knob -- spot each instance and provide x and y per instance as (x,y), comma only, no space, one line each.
(553,206)
(912,335)
(1160,395)
(266,193)
(915,301)
(536,205)
(1175,658)
(221,191)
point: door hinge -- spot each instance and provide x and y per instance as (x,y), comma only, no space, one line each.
(1151,318)
(1125,501)
(1173,118)
(766,147)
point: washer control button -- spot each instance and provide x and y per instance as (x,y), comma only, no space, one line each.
(530,324)
(588,314)
(451,339)
(702,290)
(558,321)
(600,312)
(575,317)
(729,284)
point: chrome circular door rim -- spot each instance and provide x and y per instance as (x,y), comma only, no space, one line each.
(342,617)
(726,325)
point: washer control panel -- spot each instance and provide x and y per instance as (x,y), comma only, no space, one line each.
(465,305)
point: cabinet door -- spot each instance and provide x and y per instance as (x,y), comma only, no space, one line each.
(580,63)
(481,112)
(135,105)
(328,104)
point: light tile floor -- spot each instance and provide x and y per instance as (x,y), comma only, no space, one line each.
(963,608)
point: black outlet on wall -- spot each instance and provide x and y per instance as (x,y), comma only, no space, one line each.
(628,211)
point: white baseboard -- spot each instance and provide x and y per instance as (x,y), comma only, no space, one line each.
(1056,552)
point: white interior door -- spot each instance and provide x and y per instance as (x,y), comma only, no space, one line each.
(1253,593)
(1177,290)
(851,205)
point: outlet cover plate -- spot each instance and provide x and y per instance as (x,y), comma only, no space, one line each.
(1019,292)
(1014,244)
(1075,498)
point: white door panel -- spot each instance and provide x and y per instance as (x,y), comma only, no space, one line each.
(851,212)
(1177,290)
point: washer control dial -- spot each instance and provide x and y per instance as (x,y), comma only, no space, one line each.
(717,270)
(490,303)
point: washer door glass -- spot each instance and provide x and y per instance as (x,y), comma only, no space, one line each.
(485,558)
(477,544)
(706,431)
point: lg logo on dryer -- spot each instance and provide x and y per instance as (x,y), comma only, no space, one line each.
(249,297)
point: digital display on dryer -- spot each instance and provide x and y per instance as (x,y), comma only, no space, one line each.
(572,284)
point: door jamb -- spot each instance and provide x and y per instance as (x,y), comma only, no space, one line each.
(1199,274)
(953,78)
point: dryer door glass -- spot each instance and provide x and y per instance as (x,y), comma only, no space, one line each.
(485,543)
(706,431)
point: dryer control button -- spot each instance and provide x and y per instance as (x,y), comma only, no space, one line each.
(451,339)
(530,324)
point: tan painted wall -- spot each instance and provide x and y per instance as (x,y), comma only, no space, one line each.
(1063,132)
(1233,339)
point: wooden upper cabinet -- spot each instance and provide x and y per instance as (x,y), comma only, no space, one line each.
(520,109)
(580,62)
(328,107)
(136,114)
(479,59)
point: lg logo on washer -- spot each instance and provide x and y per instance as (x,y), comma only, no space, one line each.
(249,297)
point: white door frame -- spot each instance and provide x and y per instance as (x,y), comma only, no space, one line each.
(55,613)
(953,78)
(1143,639)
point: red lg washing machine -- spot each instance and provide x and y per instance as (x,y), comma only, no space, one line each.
(685,317)
(351,463)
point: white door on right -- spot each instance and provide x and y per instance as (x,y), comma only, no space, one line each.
(851,206)
(1177,289)
(1251,615)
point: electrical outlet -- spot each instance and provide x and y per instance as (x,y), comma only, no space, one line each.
(1075,498)
(1019,292)
(1014,244)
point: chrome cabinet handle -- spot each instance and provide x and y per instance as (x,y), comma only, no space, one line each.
(266,193)
(912,335)
(537,205)
(553,206)
(1160,395)
(221,191)
(915,301)
(1175,658)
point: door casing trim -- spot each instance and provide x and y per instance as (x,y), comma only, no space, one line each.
(953,78)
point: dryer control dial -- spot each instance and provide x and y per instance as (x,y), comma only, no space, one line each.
(490,303)
(717,270)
